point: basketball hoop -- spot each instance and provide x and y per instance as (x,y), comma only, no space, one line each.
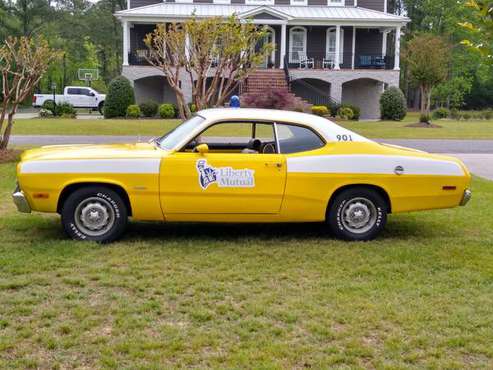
(88,75)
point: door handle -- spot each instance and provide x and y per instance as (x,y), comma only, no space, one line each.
(273,164)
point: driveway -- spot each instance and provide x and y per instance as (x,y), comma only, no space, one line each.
(476,154)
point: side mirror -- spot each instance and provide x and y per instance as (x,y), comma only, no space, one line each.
(201,148)
(91,94)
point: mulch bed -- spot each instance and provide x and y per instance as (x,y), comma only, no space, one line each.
(424,125)
(9,155)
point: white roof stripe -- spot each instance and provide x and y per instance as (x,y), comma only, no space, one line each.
(180,10)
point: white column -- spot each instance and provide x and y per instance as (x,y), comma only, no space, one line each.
(283,45)
(187,46)
(126,42)
(338,48)
(397,48)
(353,48)
(384,42)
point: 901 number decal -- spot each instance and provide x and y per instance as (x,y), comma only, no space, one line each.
(344,138)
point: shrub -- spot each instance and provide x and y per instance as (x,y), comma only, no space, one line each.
(149,108)
(192,107)
(271,98)
(333,108)
(345,113)
(466,115)
(440,113)
(393,104)
(454,113)
(424,118)
(50,106)
(166,111)
(133,111)
(355,109)
(488,114)
(120,96)
(45,113)
(66,110)
(320,110)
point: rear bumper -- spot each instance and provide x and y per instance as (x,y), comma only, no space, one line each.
(466,197)
(20,201)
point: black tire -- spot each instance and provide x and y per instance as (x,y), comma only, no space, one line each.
(357,214)
(101,107)
(94,213)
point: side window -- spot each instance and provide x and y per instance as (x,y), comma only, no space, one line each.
(237,137)
(83,91)
(293,139)
(73,91)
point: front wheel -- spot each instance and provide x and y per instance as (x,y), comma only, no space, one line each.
(94,213)
(357,214)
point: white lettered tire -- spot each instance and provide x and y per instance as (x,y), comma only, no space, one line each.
(94,213)
(357,213)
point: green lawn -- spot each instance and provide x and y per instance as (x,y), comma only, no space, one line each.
(155,127)
(249,296)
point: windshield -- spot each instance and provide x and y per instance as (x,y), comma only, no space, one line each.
(172,138)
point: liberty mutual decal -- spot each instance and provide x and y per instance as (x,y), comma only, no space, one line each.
(224,177)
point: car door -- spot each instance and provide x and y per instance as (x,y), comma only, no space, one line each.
(73,96)
(231,178)
(86,100)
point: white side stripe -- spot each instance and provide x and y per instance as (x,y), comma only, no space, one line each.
(145,165)
(373,164)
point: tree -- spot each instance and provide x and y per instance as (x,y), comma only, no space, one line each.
(427,60)
(22,64)
(214,53)
(481,28)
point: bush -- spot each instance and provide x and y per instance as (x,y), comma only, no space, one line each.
(45,113)
(120,96)
(345,113)
(466,115)
(440,113)
(333,108)
(454,113)
(393,104)
(133,111)
(149,108)
(66,110)
(192,107)
(320,110)
(424,118)
(271,98)
(355,109)
(49,105)
(488,114)
(167,111)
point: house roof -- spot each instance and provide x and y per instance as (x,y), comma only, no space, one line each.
(324,14)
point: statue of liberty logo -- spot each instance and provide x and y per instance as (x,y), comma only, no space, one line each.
(207,174)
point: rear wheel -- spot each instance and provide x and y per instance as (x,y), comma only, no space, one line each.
(357,213)
(94,213)
(101,107)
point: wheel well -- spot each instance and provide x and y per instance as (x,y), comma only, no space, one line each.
(376,188)
(73,187)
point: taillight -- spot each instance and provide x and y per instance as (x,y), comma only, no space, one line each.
(34,98)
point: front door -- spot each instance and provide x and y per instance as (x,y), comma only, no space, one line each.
(241,173)
(270,59)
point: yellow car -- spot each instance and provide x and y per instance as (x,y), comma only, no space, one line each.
(238,165)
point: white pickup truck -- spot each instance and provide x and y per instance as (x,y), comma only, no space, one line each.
(78,96)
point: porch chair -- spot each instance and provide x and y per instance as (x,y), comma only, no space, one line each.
(328,62)
(306,62)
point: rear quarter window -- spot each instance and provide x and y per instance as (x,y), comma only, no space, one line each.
(294,139)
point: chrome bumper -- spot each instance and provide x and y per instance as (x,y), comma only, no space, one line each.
(20,201)
(466,197)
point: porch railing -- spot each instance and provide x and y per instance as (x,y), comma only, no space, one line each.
(138,57)
(322,60)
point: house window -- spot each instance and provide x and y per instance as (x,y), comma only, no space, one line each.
(299,2)
(222,1)
(330,49)
(184,1)
(297,44)
(335,2)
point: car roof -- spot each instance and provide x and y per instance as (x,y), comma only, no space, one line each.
(323,126)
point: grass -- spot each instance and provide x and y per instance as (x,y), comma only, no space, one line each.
(384,129)
(249,296)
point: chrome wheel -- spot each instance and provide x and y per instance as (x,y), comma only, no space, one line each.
(359,215)
(94,216)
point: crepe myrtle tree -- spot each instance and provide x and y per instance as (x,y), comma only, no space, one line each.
(23,61)
(427,59)
(215,54)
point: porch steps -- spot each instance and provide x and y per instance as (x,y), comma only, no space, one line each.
(265,79)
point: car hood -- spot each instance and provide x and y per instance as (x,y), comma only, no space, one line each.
(85,151)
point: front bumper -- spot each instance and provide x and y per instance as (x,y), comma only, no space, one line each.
(466,197)
(20,201)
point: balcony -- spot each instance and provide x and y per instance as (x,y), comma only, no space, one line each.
(327,61)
